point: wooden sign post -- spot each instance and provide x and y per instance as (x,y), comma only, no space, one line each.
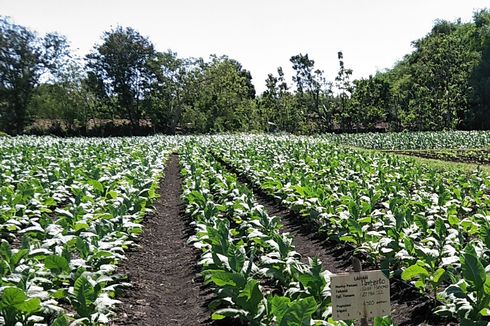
(357,266)
(360,295)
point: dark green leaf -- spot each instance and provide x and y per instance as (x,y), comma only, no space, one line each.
(57,264)
(472,268)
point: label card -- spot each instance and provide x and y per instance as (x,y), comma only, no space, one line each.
(360,295)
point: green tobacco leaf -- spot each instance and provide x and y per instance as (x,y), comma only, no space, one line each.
(57,264)
(61,320)
(414,271)
(365,220)
(97,185)
(353,210)
(313,280)
(383,321)
(472,268)
(5,251)
(18,256)
(82,247)
(453,220)
(228,313)
(236,258)
(279,307)
(486,286)
(250,297)
(409,246)
(438,275)
(222,278)
(196,196)
(84,295)
(30,306)
(50,202)
(81,226)
(485,235)
(112,194)
(348,238)
(4,267)
(59,294)
(12,297)
(299,312)
(440,227)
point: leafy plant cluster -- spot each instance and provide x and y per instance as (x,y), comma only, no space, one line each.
(426,226)
(68,211)
(257,275)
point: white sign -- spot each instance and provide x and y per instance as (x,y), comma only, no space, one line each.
(360,295)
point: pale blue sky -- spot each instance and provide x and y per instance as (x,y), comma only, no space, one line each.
(261,34)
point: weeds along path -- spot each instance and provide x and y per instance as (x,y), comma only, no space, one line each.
(408,306)
(163,270)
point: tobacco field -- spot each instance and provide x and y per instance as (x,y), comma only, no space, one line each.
(71,210)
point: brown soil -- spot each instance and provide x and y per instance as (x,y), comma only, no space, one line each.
(163,271)
(409,307)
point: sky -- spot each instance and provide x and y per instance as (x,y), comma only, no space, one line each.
(260,34)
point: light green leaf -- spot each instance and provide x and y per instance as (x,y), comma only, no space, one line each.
(299,312)
(414,271)
(30,306)
(97,185)
(12,296)
(437,276)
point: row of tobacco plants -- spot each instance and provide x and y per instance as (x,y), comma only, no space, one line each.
(68,211)
(429,227)
(414,140)
(256,273)
(476,156)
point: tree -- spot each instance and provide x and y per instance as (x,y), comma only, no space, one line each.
(288,117)
(303,68)
(275,103)
(270,102)
(281,80)
(219,96)
(345,89)
(24,58)
(122,66)
(480,79)
(441,69)
(67,100)
(165,100)
(440,85)
(370,101)
(313,93)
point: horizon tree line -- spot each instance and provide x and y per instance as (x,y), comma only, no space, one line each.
(124,86)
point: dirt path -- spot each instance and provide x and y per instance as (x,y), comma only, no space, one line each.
(163,270)
(409,308)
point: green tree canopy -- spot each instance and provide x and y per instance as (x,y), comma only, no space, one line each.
(122,64)
(24,58)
